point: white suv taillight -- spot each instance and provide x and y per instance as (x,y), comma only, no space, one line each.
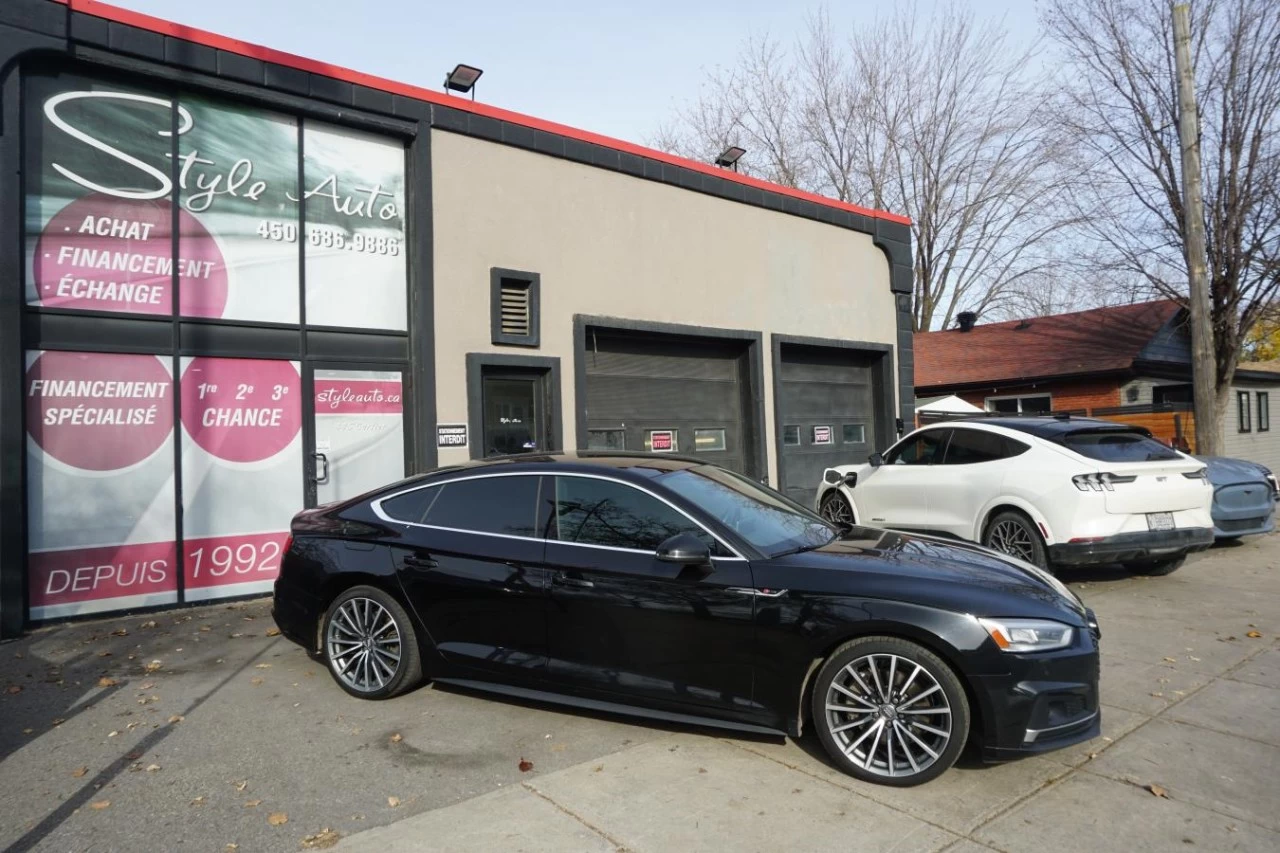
(1201,474)
(1098,482)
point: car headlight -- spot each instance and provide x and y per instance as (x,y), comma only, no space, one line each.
(1028,635)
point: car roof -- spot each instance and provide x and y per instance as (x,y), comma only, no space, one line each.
(646,465)
(1048,426)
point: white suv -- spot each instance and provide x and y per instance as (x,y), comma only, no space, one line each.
(1048,490)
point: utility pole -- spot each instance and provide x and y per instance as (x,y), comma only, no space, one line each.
(1204,371)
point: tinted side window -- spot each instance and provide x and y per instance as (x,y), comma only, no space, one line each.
(1013,447)
(601,512)
(924,449)
(971,446)
(411,506)
(488,505)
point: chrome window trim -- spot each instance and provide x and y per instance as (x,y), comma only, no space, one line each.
(380,513)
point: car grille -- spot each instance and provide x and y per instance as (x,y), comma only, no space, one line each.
(1230,526)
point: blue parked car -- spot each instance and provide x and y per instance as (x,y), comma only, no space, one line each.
(1244,497)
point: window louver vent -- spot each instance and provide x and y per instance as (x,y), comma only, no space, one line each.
(515,307)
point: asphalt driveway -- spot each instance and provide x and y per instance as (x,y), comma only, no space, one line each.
(203,730)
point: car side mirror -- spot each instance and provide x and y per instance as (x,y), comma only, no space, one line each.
(875,460)
(684,549)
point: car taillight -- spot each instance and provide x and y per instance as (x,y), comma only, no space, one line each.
(288,543)
(1201,474)
(1098,482)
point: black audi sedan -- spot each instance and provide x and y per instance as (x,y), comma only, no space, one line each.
(662,587)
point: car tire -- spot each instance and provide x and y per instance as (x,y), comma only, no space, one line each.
(1014,534)
(836,509)
(369,644)
(1155,568)
(933,699)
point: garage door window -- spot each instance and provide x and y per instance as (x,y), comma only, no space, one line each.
(855,434)
(708,439)
(791,436)
(606,439)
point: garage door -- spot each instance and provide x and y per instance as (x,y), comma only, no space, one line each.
(668,395)
(826,414)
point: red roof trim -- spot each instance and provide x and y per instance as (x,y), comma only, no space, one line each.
(266,54)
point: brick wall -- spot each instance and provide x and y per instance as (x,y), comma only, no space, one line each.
(1067,395)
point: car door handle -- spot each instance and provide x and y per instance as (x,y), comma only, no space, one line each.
(423,563)
(565,580)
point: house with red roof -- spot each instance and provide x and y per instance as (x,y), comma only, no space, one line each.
(1124,362)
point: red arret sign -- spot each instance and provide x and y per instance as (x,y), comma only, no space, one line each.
(662,441)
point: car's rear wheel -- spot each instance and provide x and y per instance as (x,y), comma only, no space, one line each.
(1014,534)
(890,711)
(835,509)
(1156,567)
(369,644)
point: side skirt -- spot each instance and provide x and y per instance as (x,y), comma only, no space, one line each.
(607,707)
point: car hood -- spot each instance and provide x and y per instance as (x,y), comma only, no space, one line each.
(932,571)
(1224,471)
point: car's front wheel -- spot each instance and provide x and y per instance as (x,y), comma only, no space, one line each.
(369,644)
(890,711)
(1156,567)
(1013,533)
(835,509)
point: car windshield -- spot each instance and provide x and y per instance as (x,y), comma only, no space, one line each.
(1118,446)
(766,519)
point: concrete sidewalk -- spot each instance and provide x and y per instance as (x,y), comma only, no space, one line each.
(199,729)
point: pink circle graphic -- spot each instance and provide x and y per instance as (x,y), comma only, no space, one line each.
(241,409)
(101,253)
(98,412)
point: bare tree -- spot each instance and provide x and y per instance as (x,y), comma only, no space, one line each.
(1119,104)
(957,141)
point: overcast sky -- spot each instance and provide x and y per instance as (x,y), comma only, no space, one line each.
(615,67)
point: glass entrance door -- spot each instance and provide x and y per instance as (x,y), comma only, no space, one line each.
(357,435)
(514,421)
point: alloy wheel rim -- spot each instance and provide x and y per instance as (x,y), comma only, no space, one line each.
(1013,539)
(888,715)
(836,510)
(364,646)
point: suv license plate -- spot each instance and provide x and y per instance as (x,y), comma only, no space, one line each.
(1160,521)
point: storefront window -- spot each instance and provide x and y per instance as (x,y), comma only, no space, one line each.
(100,482)
(241,472)
(99,220)
(355,267)
(238,188)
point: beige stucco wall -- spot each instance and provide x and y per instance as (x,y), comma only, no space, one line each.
(613,245)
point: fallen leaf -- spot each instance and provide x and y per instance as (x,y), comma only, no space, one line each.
(150,623)
(597,768)
(796,790)
(273,632)
(100,805)
(27,731)
(176,718)
(13,689)
(236,636)
(263,666)
(256,680)
(240,786)
(146,685)
(1194,658)
(206,628)
(252,804)
(1171,660)
(153,666)
(1093,755)
(394,802)
(397,737)
(104,654)
(231,846)
(120,632)
(1158,695)
(152,768)
(525,765)
(113,734)
(1253,635)
(1158,791)
(79,771)
(277,818)
(59,721)
(323,839)
(135,755)
(702,770)
(198,801)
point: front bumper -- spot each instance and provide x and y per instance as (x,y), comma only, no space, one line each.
(1045,702)
(1129,547)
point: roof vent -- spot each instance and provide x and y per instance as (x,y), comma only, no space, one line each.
(966,319)
(515,307)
